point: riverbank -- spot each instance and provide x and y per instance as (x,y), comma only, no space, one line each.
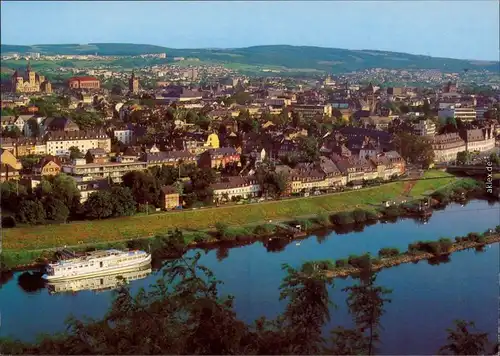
(127,228)
(279,232)
(377,264)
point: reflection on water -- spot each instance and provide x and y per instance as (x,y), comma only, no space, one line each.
(98,284)
(32,282)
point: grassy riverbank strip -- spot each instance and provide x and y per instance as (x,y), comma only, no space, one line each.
(143,226)
(227,235)
(389,257)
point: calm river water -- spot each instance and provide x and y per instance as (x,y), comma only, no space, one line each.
(425,299)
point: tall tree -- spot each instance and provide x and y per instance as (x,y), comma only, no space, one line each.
(144,187)
(74,152)
(55,209)
(465,340)
(308,308)
(99,205)
(414,149)
(366,303)
(31,212)
(122,201)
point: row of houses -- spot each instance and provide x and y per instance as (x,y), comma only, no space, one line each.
(326,175)
(98,164)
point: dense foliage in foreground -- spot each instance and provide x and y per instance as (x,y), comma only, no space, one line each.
(185,314)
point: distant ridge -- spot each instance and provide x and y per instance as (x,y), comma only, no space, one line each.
(304,57)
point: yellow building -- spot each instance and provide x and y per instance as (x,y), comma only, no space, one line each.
(212,141)
(29,82)
(48,166)
(9,166)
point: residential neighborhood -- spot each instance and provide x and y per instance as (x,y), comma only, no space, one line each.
(259,138)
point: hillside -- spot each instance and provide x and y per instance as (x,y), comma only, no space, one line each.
(297,57)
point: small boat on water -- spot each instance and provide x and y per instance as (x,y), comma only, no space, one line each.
(97,263)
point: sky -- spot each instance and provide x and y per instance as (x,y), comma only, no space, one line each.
(455,29)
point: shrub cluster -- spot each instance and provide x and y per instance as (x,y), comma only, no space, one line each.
(265,229)
(441,246)
(388,252)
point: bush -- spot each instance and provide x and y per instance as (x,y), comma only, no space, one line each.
(441,196)
(323,219)
(265,229)
(234,232)
(343,218)
(359,215)
(445,244)
(31,212)
(222,230)
(340,263)
(305,224)
(472,237)
(459,191)
(361,262)
(138,244)
(8,221)
(413,248)
(325,265)
(371,215)
(200,237)
(393,211)
(388,252)
(146,208)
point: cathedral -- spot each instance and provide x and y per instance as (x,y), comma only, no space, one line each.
(29,82)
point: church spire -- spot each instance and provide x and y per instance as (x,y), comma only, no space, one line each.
(28,67)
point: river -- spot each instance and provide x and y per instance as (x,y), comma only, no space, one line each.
(425,299)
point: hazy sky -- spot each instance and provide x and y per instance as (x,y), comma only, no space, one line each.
(458,29)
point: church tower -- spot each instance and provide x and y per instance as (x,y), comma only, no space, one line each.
(31,75)
(133,84)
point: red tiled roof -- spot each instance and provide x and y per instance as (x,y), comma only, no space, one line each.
(83,79)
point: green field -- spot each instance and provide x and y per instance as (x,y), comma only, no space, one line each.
(423,187)
(38,237)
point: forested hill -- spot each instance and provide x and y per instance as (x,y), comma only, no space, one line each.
(338,60)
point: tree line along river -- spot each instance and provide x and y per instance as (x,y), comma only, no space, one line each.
(426,298)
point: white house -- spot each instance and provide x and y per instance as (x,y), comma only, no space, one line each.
(58,143)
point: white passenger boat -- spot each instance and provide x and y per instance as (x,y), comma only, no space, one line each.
(97,284)
(98,263)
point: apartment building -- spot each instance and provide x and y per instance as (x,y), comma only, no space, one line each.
(310,111)
(463,113)
(245,187)
(424,128)
(113,170)
(58,143)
